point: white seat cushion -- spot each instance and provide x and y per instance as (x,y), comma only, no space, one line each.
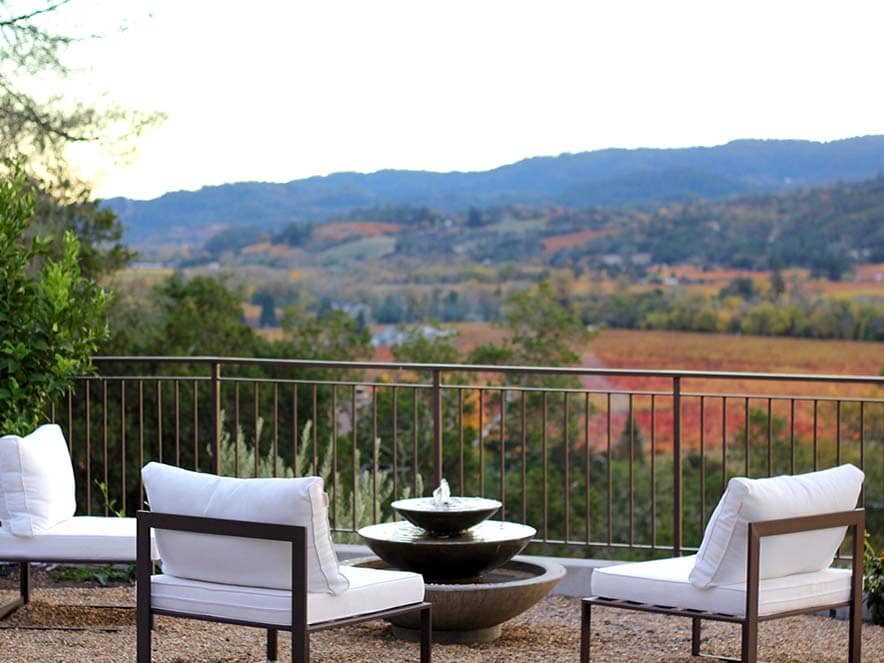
(243,561)
(370,590)
(37,481)
(721,559)
(92,538)
(665,582)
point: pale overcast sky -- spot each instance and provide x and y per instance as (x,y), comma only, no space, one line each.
(278,90)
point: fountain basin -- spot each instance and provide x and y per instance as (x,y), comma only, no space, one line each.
(455,515)
(460,556)
(474,611)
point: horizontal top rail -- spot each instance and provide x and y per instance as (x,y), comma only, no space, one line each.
(479,368)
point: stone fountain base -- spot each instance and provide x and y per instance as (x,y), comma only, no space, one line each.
(473,611)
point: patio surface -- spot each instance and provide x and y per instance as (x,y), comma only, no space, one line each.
(548,632)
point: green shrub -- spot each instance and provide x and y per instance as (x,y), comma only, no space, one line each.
(51,316)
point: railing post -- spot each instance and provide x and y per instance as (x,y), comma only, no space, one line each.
(216,418)
(676,466)
(437,427)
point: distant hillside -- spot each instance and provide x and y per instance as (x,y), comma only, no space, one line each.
(612,177)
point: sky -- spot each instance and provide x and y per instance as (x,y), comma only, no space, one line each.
(276,90)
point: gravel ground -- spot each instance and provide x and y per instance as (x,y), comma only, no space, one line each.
(80,631)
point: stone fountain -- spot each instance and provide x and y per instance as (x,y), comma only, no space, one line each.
(467,562)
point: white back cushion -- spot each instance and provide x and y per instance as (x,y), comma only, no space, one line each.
(235,560)
(37,481)
(721,559)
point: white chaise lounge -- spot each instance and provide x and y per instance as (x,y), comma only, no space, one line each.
(37,506)
(767,553)
(257,552)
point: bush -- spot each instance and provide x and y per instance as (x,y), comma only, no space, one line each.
(51,316)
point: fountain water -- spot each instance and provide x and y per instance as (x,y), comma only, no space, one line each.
(467,562)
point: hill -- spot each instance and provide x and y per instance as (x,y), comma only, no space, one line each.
(612,177)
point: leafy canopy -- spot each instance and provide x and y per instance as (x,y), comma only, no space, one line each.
(51,316)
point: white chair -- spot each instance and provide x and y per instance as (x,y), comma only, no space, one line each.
(766,553)
(280,573)
(37,506)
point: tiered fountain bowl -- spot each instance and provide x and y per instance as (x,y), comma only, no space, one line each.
(467,563)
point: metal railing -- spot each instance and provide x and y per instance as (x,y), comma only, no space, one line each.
(594,459)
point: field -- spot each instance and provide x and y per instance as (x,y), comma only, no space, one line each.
(767,404)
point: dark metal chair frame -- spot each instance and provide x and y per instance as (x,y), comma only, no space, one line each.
(299,628)
(854,520)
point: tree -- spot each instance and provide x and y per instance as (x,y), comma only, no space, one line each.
(40,127)
(544,333)
(51,316)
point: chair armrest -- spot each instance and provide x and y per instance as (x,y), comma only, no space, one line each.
(221,526)
(295,534)
(854,519)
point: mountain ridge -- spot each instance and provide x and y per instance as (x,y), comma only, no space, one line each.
(609,177)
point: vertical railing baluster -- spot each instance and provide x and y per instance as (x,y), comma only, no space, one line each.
(140,442)
(275,471)
(177,384)
(107,487)
(746,437)
(702,464)
(334,467)
(437,426)
(196,425)
(723,443)
(256,421)
(481,442)
(566,444)
(815,434)
(123,443)
(862,448)
(395,397)
(216,418)
(353,451)
(88,429)
(503,454)
(587,468)
(315,431)
(769,437)
(159,388)
(374,453)
(544,448)
(415,468)
(523,415)
(610,472)
(653,471)
(676,467)
(296,436)
(235,432)
(792,436)
(631,465)
(838,432)
(460,442)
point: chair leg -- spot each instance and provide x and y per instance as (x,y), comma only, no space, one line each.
(300,646)
(749,652)
(25,581)
(585,627)
(24,591)
(695,636)
(855,636)
(272,644)
(143,627)
(426,634)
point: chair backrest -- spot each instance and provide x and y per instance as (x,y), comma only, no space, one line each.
(36,481)
(721,559)
(238,561)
